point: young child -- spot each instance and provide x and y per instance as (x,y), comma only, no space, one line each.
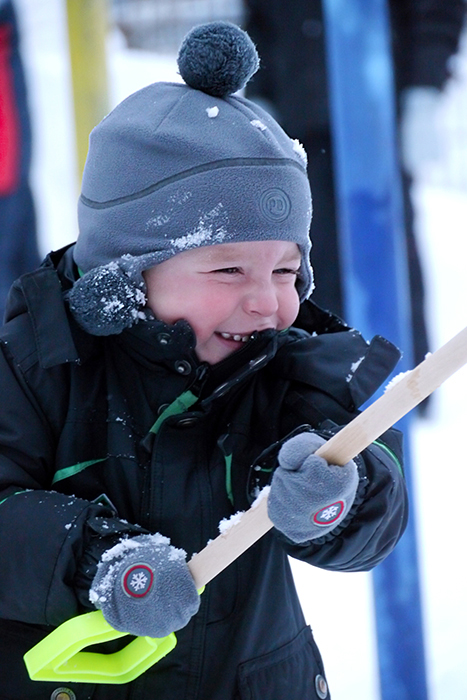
(157,374)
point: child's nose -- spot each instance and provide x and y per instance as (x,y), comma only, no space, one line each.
(262,300)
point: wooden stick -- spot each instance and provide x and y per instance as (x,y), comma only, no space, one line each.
(400,398)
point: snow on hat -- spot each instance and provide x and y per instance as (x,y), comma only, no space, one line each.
(178,166)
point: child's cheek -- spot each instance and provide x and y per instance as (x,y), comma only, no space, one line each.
(290,308)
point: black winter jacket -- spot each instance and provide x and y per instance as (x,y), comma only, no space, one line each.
(80,442)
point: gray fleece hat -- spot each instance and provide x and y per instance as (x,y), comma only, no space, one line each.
(178,166)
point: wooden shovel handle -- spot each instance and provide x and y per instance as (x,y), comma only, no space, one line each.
(399,399)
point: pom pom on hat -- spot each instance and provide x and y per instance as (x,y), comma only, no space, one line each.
(218,58)
(105,300)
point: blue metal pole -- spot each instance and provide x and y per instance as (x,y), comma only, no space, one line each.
(375,283)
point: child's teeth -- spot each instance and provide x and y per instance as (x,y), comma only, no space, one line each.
(237,337)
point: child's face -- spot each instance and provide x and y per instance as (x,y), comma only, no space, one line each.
(226,292)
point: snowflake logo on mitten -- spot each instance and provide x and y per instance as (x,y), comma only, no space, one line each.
(137,580)
(329,514)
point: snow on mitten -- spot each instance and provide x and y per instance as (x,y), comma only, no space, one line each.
(308,496)
(144,587)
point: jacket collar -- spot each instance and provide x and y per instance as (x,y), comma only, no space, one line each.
(153,342)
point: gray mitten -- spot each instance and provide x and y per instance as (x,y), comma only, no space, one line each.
(144,587)
(308,496)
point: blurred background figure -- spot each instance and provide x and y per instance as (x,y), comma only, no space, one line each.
(160,25)
(18,244)
(292,84)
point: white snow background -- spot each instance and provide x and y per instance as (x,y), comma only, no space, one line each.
(338,606)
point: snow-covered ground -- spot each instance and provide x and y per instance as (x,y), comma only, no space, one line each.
(331,601)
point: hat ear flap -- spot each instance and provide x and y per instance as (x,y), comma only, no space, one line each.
(105,301)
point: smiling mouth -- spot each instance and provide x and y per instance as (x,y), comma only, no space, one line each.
(237,337)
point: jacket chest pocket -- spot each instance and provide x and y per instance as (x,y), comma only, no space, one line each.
(292,672)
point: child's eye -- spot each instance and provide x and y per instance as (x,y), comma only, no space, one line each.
(286,271)
(228,270)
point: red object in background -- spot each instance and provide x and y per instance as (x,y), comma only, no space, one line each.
(9,120)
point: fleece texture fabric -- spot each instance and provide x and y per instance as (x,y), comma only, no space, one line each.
(309,497)
(144,587)
(172,168)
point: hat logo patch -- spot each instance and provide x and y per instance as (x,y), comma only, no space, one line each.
(275,205)
(137,580)
(329,514)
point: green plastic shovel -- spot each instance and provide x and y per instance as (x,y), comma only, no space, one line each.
(59,657)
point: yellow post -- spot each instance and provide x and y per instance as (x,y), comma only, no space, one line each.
(87,28)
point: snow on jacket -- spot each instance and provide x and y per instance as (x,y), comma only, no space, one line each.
(86,440)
